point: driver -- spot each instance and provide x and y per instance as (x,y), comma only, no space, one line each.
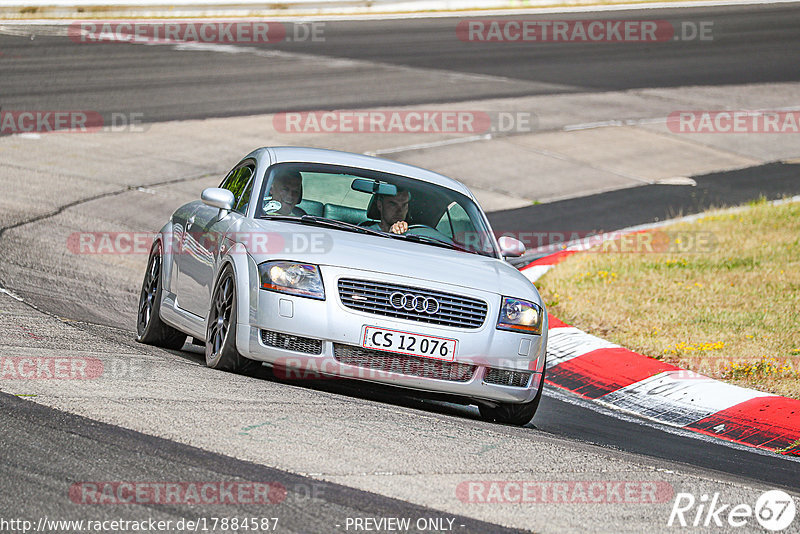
(393,211)
(287,188)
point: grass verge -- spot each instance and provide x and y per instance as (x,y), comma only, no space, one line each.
(719,295)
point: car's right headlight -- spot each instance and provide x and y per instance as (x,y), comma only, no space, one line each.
(520,315)
(302,279)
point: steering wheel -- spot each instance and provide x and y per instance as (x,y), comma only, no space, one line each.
(415,226)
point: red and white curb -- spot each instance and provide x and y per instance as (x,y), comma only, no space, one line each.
(630,382)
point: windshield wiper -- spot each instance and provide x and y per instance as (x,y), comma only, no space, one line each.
(333,223)
(322,221)
(431,240)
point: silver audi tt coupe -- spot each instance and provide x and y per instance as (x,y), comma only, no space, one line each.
(329,264)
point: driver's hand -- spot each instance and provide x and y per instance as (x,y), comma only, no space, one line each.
(400,227)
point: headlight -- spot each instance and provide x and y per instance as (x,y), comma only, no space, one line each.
(520,316)
(300,279)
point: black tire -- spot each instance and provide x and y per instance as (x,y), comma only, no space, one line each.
(150,329)
(221,352)
(514,414)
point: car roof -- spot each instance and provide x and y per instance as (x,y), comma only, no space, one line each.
(283,154)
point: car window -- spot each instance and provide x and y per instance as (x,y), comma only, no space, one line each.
(460,228)
(351,196)
(244,201)
(455,220)
(237,181)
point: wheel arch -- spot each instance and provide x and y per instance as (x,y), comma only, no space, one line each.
(246,282)
(166,257)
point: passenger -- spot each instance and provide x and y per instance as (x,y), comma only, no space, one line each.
(287,189)
(393,211)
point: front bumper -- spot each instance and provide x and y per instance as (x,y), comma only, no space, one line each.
(309,338)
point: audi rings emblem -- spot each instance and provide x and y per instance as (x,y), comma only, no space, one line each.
(417,303)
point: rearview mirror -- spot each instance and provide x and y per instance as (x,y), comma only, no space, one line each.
(510,247)
(216,197)
(374,186)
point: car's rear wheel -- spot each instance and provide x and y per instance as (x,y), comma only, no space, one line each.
(513,414)
(221,352)
(150,328)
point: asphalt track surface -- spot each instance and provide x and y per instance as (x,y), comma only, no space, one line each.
(624,208)
(751,45)
(755,44)
(105,452)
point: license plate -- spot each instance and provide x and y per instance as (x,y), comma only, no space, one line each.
(399,342)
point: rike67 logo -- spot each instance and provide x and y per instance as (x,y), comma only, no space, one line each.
(774,510)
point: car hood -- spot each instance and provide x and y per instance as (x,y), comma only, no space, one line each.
(340,248)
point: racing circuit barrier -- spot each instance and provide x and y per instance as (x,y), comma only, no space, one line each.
(619,378)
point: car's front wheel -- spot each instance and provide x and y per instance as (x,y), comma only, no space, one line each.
(150,328)
(221,352)
(513,414)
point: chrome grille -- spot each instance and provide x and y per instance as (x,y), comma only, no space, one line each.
(289,342)
(503,377)
(376,297)
(402,364)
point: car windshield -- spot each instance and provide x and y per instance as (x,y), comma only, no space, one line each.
(372,200)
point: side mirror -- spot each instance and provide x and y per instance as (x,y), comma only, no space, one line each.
(217,197)
(510,247)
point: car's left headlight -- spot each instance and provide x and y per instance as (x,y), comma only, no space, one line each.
(520,315)
(302,279)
